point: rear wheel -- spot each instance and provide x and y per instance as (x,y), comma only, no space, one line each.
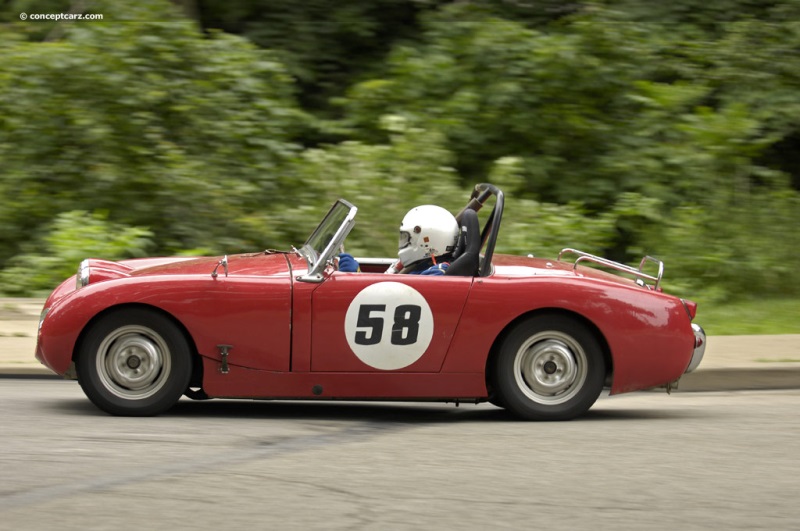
(549,367)
(134,362)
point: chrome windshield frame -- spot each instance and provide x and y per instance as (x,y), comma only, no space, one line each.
(342,216)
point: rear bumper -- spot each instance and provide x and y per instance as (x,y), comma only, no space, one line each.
(699,347)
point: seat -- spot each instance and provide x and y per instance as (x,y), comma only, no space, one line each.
(468,248)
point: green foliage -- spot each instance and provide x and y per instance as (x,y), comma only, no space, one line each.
(748,248)
(543,229)
(153,122)
(384,181)
(626,121)
(495,88)
(11,10)
(324,43)
(414,168)
(618,127)
(750,316)
(70,238)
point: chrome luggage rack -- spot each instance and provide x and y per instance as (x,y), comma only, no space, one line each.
(638,273)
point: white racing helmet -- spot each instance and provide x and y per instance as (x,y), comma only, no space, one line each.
(426,231)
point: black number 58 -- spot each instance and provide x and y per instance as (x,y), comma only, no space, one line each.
(405,328)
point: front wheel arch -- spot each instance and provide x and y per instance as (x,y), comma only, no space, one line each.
(166,360)
(197,363)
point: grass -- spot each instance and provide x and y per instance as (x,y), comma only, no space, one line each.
(749,317)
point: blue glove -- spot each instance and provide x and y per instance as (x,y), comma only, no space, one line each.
(436,270)
(348,264)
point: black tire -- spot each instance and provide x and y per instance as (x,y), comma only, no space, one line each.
(549,367)
(134,362)
(494,399)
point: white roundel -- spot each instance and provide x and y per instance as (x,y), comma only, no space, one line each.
(389,325)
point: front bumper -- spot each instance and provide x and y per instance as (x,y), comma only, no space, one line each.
(699,347)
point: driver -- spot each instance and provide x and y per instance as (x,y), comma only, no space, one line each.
(428,236)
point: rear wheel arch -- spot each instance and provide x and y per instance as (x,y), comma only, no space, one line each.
(589,325)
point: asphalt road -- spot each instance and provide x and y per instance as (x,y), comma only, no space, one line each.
(640,461)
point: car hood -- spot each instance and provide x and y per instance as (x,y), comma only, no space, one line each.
(93,271)
(254,264)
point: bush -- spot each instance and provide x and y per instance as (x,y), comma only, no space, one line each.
(70,238)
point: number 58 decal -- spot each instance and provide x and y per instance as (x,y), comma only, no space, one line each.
(389,325)
(405,330)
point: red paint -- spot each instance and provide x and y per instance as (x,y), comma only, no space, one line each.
(289,336)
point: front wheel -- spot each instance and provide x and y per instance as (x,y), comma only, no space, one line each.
(549,368)
(134,362)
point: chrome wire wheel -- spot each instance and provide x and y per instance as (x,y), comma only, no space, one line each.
(133,362)
(550,367)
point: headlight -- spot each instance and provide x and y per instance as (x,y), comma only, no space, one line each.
(82,278)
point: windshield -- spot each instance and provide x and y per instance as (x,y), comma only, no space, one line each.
(329,235)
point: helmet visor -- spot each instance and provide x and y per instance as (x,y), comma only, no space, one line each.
(405,240)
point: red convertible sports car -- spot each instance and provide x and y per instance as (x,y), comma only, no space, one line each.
(539,337)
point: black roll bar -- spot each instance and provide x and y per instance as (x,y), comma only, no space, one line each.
(480,195)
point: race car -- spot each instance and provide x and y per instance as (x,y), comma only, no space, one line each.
(538,337)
